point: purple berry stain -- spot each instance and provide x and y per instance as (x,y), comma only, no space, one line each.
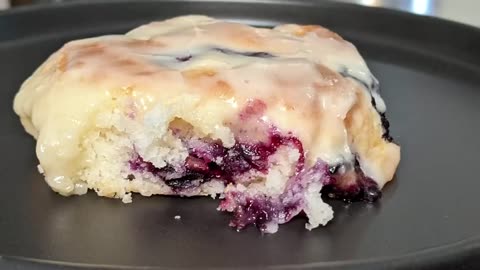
(267,212)
(209,159)
(260,211)
(213,161)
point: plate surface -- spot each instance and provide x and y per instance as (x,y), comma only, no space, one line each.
(428,218)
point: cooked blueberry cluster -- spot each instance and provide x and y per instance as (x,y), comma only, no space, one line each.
(363,188)
(209,160)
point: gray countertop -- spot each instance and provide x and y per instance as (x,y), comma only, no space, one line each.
(464,11)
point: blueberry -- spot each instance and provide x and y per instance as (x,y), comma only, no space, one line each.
(185,182)
(386,125)
(362,188)
(249,54)
(371,193)
(333,169)
(258,54)
(183,58)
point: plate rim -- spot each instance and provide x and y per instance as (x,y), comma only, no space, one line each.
(425,257)
(433,255)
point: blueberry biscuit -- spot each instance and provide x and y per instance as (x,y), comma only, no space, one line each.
(265,119)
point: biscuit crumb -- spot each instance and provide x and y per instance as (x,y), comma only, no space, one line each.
(40,169)
(127,198)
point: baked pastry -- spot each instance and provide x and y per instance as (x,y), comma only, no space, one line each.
(264,118)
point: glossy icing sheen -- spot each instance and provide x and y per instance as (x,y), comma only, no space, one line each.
(205,71)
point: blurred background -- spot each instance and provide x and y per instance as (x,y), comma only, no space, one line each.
(465,11)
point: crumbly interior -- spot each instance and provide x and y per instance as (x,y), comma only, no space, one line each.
(109,148)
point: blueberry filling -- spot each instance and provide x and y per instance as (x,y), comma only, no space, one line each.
(266,212)
(186,58)
(259,210)
(183,58)
(190,180)
(373,86)
(370,86)
(352,186)
(243,157)
(210,160)
(365,189)
(334,169)
(177,179)
(385,123)
(249,54)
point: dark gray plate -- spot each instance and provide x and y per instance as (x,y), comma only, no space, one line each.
(429,217)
